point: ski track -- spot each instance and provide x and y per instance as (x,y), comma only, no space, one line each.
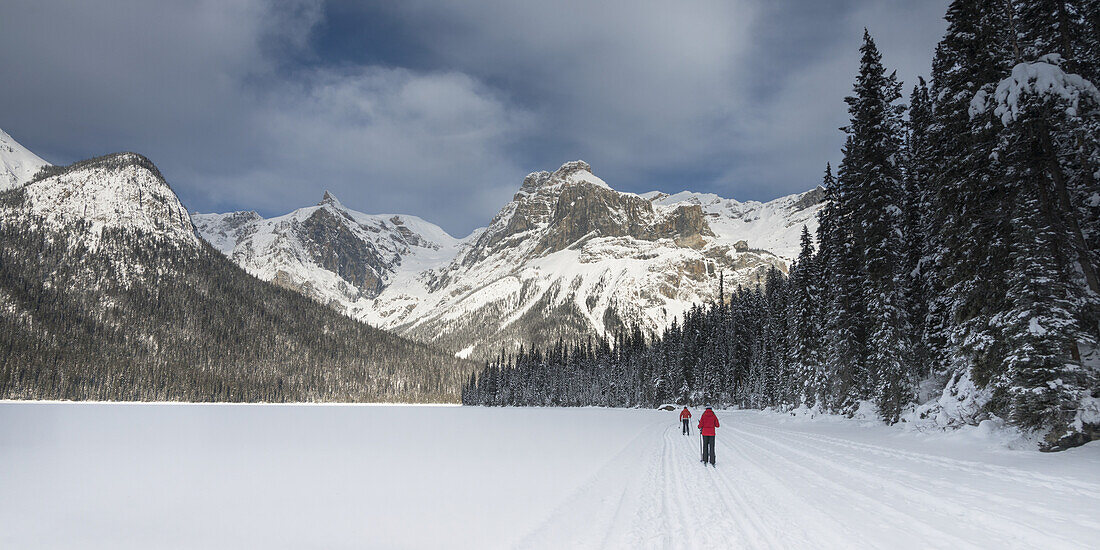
(972,511)
(970,467)
(777,487)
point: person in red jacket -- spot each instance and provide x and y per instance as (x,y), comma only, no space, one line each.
(708,421)
(685,415)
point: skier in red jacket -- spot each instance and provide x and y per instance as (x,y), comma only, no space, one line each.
(684,416)
(708,421)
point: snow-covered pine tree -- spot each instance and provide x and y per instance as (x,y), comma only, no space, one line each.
(875,180)
(1059,62)
(969,243)
(803,331)
(918,277)
(828,243)
(871,193)
(780,377)
(1046,325)
(469,390)
(1044,382)
(845,341)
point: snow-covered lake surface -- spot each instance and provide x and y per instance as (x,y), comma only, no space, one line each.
(261,476)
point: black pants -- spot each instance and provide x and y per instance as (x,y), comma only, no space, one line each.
(685,425)
(708,448)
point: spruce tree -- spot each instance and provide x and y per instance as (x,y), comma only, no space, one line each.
(804,333)
(1044,382)
(917,273)
(968,246)
(845,340)
(1046,323)
(871,196)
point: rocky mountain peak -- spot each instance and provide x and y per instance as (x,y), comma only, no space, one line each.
(576,171)
(330,199)
(568,248)
(584,211)
(555,210)
(571,168)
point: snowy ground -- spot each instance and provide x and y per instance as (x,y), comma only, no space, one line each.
(242,476)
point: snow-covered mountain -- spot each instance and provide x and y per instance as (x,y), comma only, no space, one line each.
(17,164)
(107,292)
(567,255)
(332,253)
(122,191)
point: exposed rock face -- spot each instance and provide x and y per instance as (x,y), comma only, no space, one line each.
(809,199)
(571,204)
(567,256)
(329,252)
(331,244)
(584,210)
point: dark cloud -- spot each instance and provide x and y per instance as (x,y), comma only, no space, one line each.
(439,108)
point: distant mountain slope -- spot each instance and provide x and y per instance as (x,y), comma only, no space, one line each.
(567,256)
(331,253)
(775,226)
(17,164)
(106,292)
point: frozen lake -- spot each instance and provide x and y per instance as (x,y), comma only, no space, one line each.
(269,476)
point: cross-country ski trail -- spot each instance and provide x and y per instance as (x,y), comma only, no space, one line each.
(780,485)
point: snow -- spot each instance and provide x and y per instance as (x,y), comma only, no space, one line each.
(1035,328)
(268,476)
(775,226)
(959,404)
(270,248)
(586,177)
(435,288)
(129,196)
(1042,77)
(465,352)
(17,164)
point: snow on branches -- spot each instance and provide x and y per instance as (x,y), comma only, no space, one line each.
(1043,77)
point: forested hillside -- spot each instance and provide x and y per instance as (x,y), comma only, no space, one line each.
(106,293)
(957,256)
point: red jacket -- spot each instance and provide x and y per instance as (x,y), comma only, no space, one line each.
(708,422)
(685,414)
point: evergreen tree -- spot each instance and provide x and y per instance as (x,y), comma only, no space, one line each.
(845,329)
(871,178)
(1046,320)
(968,247)
(804,333)
(1044,382)
(918,277)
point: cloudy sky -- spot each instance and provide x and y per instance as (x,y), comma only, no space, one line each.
(439,108)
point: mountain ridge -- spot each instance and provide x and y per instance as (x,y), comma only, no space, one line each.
(587,256)
(567,257)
